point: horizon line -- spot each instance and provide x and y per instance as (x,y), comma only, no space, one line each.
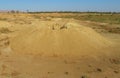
(56,11)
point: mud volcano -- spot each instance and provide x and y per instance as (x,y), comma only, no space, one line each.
(60,38)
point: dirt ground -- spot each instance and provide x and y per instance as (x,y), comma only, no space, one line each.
(46,47)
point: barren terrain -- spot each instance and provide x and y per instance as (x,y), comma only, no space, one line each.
(49,46)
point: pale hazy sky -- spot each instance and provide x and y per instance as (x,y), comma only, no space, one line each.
(61,5)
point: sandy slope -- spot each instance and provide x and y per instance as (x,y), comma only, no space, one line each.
(56,48)
(47,37)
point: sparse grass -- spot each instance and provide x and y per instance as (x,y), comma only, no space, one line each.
(109,22)
(104,18)
(15,73)
(111,19)
(36,16)
(3,19)
(95,17)
(114,60)
(4,30)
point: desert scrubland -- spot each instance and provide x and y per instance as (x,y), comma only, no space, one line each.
(59,45)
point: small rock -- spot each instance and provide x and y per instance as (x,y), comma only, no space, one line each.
(98,69)
(66,73)
(116,72)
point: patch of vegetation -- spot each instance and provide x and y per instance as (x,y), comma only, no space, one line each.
(114,60)
(113,30)
(106,21)
(102,17)
(36,16)
(111,19)
(3,19)
(4,30)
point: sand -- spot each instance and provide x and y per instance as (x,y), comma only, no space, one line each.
(56,48)
(47,37)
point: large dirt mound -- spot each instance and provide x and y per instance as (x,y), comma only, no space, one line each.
(58,38)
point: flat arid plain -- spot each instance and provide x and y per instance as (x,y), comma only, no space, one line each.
(59,45)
